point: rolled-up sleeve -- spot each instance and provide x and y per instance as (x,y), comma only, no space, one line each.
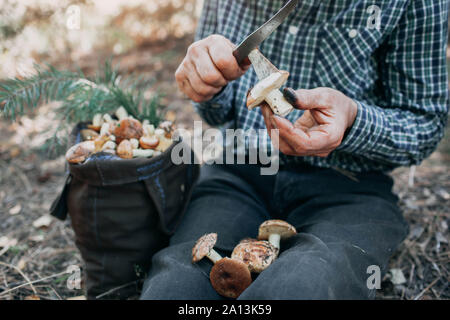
(219,109)
(410,122)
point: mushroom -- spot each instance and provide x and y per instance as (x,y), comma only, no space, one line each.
(125,151)
(267,89)
(164,142)
(168,128)
(276,230)
(97,122)
(128,128)
(229,277)
(257,255)
(149,140)
(134,143)
(80,152)
(121,113)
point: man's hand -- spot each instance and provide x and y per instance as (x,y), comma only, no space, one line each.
(321,128)
(208,66)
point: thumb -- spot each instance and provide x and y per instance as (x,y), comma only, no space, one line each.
(301,99)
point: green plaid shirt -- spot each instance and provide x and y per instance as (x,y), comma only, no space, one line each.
(395,70)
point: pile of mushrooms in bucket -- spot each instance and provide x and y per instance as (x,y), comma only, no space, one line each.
(231,276)
(124,137)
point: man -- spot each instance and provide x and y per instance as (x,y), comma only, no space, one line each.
(369,82)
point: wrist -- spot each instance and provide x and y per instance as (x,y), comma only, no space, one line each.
(352,112)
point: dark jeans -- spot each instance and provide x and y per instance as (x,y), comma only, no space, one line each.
(344,226)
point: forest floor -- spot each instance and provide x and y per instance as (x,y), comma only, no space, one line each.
(36,250)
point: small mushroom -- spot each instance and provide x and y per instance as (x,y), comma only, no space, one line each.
(149,140)
(134,143)
(125,151)
(267,89)
(168,128)
(229,277)
(97,122)
(128,128)
(257,255)
(80,152)
(276,230)
(121,113)
(164,142)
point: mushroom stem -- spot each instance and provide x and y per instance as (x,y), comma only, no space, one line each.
(213,256)
(274,239)
(121,113)
(142,153)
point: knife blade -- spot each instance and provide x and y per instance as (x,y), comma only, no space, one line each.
(259,35)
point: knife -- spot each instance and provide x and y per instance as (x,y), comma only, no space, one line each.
(247,47)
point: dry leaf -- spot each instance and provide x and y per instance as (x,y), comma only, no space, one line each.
(32,297)
(22,264)
(7,242)
(15,210)
(77,298)
(43,221)
(397,276)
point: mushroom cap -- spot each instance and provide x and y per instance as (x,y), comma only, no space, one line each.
(259,92)
(125,149)
(80,152)
(203,246)
(284,229)
(230,277)
(128,128)
(168,127)
(149,142)
(257,255)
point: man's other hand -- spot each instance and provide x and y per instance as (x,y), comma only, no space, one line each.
(207,67)
(321,128)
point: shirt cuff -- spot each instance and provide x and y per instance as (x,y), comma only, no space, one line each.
(221,99)
(366,131)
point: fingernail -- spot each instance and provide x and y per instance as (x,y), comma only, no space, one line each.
(273,122)
(290,95)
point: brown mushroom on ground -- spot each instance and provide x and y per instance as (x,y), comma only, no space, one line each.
(125,151)
(80,152)
(128,128)
(229,277)
(267,89)
(256,254)
(276,230)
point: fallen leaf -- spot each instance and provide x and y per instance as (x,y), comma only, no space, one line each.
(32,297)
(37,238)
(77,298)
(14,152)
(397,276)
(15,210)
(7,242)
(43,221)
(22,264)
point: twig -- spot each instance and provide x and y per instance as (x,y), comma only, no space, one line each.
(31,283)
(412,172)
(22,274)
(427,288)
(114,289)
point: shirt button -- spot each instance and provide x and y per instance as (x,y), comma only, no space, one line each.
(353,33)
(293,30)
